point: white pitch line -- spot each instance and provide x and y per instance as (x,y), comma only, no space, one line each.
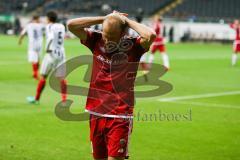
(205,104)
(207,95)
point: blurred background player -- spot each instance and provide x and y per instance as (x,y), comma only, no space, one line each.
(158,44)
(34,30)
(236,44)
(142,63)
(55,56)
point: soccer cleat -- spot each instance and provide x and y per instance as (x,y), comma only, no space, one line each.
(145,77)
(166,68)
(32,100)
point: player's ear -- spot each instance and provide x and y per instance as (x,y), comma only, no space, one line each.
(124,31)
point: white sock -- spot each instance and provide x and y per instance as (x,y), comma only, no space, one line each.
(150,58)
(165,60)
(234,59)
(143,58)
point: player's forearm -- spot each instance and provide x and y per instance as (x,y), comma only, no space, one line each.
(81,23)
(144,31)
(20,39)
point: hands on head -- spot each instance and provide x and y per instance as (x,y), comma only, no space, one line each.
(122,16)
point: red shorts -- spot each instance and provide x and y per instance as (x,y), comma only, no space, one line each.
(160,48)
(236,46)
(109,136)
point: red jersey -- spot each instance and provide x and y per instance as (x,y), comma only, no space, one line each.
(158,28)
(111,91)
(237,30)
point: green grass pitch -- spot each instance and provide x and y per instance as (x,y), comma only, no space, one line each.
(29,132)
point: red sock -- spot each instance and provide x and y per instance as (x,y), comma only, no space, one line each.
(35,70)
(64,90)
(37,65)
(40,87)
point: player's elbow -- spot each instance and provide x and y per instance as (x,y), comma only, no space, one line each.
(152,36)
(70,26)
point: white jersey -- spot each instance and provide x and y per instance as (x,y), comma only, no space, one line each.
(132,33)
(35,35)
(55,40)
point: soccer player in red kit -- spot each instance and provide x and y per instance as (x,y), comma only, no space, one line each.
(158,44)
(236,43)
(111,98)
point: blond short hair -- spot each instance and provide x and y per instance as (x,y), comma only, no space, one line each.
(117,18)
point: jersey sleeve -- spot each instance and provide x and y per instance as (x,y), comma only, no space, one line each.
(92,38)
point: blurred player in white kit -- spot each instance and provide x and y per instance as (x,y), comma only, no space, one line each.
(34,30)
(54,57)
